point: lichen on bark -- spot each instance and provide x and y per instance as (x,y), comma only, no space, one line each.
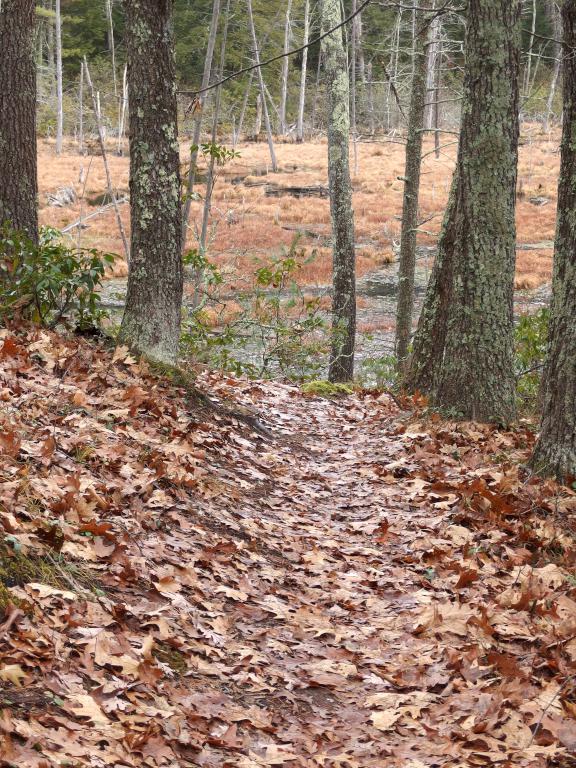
(341,366)
(555,452)
(151,321)
(463,349)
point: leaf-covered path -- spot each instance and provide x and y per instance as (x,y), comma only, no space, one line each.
(278,580)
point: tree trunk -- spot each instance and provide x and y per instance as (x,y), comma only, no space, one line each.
(285,69)
(18,174)
(151,322)
(197,126)
(111,43)
(413,164)
(353,38)
(262,88)
(344,277)
(555,452)
(554,15)
(302,97)
(463,354)
(59,92)
(210,177)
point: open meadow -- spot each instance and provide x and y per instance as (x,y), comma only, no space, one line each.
(249,225)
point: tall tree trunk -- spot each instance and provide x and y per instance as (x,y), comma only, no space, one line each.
(262,88)
(197,126)
(151,322)
(302,97)
(555,452)
(344,270)
(111,43)
(285,69)
(554,14)
(210,178)
(463,353)
(431,69)
(18,173)
(407,266)
(59,91)
(81,111)
(353,39)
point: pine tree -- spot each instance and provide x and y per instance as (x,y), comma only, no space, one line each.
(18,174)
(151,322)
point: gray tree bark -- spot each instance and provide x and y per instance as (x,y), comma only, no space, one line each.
(197,126)
(554,14)
(344,270)
(302,96)
(413,162)
(555,452)
(285,69)
(263,102)
(151,322)
(59,89)
(18,170)
(463,355)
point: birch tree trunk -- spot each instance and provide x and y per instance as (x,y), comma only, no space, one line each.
(463,356)
(151,322)
(555,452)
(197,125)
(59,90)
(18,174)
(285,68)
(263,101)
(344,271)
(302,97)
(81,111)
(407,266)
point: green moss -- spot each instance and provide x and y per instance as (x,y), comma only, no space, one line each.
(18,569)
(322,388)
(174,658)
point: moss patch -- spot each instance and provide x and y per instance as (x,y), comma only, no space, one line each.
(322,388)
(18,569)
(174,658)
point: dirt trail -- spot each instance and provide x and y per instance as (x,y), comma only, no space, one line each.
(284,580)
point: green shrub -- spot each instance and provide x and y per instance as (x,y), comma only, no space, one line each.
(51,282)
(531,338)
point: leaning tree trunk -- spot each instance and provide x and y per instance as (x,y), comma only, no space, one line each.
(151,322)
(407,266)
(18,174)
(555,452)
(463,354)
(344,271)
(263,102)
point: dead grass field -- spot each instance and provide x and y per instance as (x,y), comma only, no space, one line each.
(248,226)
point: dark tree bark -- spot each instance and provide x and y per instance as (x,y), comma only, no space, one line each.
(18,173)
(463,350)
(151,322)
(412,170)
(555,452)
(343,259)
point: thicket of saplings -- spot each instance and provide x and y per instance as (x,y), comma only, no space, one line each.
(273,330)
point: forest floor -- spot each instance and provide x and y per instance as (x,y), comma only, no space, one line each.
(232,573)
